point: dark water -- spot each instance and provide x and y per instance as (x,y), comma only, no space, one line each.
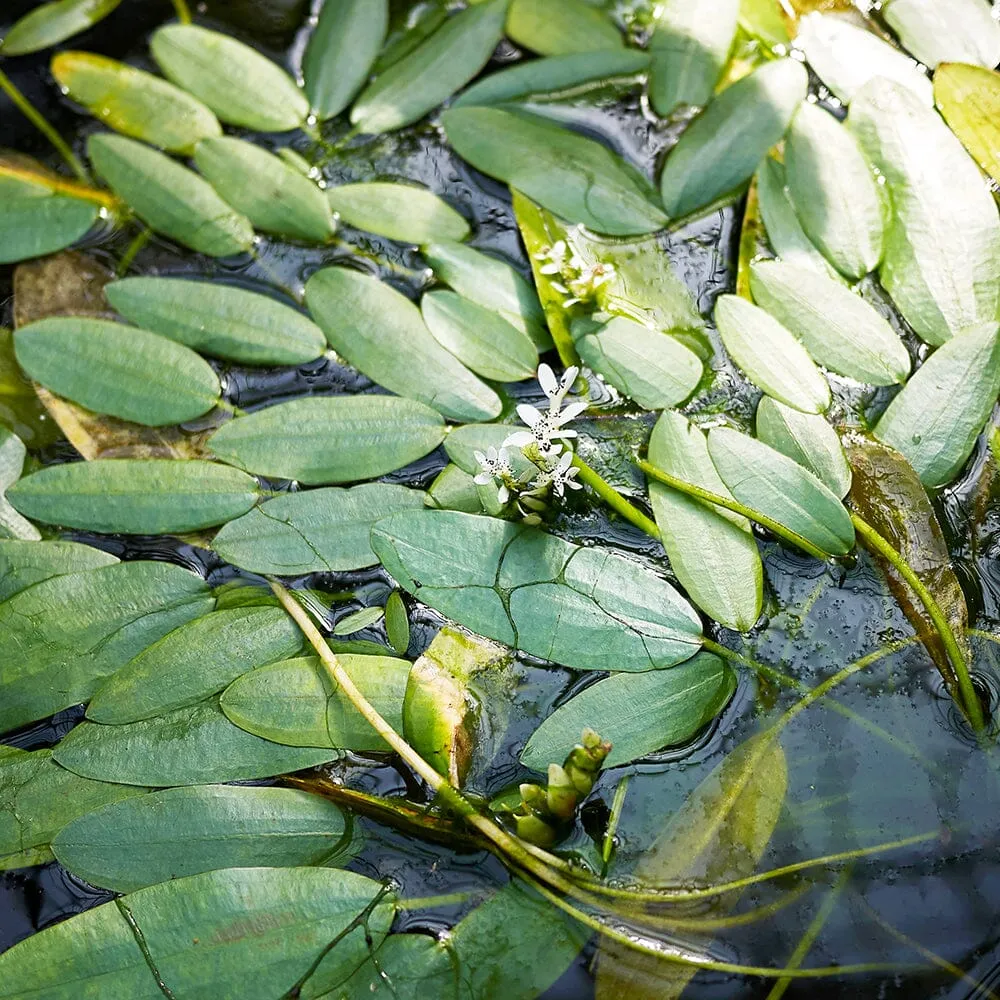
(901,767)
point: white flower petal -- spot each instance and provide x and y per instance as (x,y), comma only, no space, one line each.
(547,380)
(573,411)
(503,494)
(483,479)
(518,439)
(530,415)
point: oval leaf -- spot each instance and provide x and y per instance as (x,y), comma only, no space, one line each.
(135,103)
(637,713)
(330,440)
(771,357)
(720,149)
(558,27)
(400,212)
(938,31)
(239,84)
(115,369)
(221,320)
(24,563)
(131,844)
(169,198)
(51,23)
(12,455)
(969,99)
(33,226)
(381,332)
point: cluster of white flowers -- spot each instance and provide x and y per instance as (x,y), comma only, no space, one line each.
(578,280)
(543,445)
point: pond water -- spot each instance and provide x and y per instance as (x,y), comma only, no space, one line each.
(888,761)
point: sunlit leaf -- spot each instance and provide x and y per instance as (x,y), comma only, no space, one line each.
(24,563)
(330,440)
(534,591)
(765,480)
(443,63)
(560,27)
(401,212)
(690,47)
(712,552)
(838,328)
(381,332)
(846,57)
(39,799)
(218,319)
(119,370)
(942,255)
(553,75)
(12,455)
(341,50)
(239,84)
(168,197)
(805,438)
(573,176)
(295,702)
(637,713)
(766,20)
(316,531)
(720,150)
(60,638)
(51,23)
(195,661)
(166,835)
(935,420)
(771,357)
(938,31)
(969,99)
(134,102)
(189,746)
(251,931)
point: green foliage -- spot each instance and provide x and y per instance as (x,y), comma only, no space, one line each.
(32,227)
(961,31)
(560,27)
(400,212)
(51,23)
(24,563)
(12,455)
(969,99)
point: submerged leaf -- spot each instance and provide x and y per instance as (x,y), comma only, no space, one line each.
(637,713)
(134,102)
(21,410)
(969,99)
(239,84)
(51,23)
(938,31)
(560,27)
(402,212)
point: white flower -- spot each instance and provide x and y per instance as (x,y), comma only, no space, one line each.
(495,465)
(548,428)
(561,476)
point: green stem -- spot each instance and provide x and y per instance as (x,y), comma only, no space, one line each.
(132,250)
(183,11)
(968,699)
(711,499)
(38,120)
(614,499)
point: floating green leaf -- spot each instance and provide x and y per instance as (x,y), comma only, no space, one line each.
(195,661)
(330,440)
(251,932)
(479,338)
(381,332)
(133,102)
(553,75)
(25,563)
(12,455)
(690,47)
(443,63)
(136,496)
(712,552)
(60,638)
(935,420)
(762,478)
(720,150)
(969,99)
(637,713)
(217,319)
(456,489)
(39,798)
(295,702)
(51,23)
(35,226)
(560,27)
(274,196)
(317,531)
(938,31)
(166,835)
(341,50)
(491,283)
(397,623)
(805,438)
(942,255)
(650,367)
(771,357)
(587,608)
(571,175)
(836,326)
(190,746)
(115,369)
(169,198)
(846,58)
(239,84)
(463,443)
(833,189)
(400,212)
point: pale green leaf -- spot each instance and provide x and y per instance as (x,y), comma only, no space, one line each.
(24,563)
(969,99)
(32,226)
(12,455)
(358,621)
(51,23)
(400,212)
(938,31)
(560,27)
